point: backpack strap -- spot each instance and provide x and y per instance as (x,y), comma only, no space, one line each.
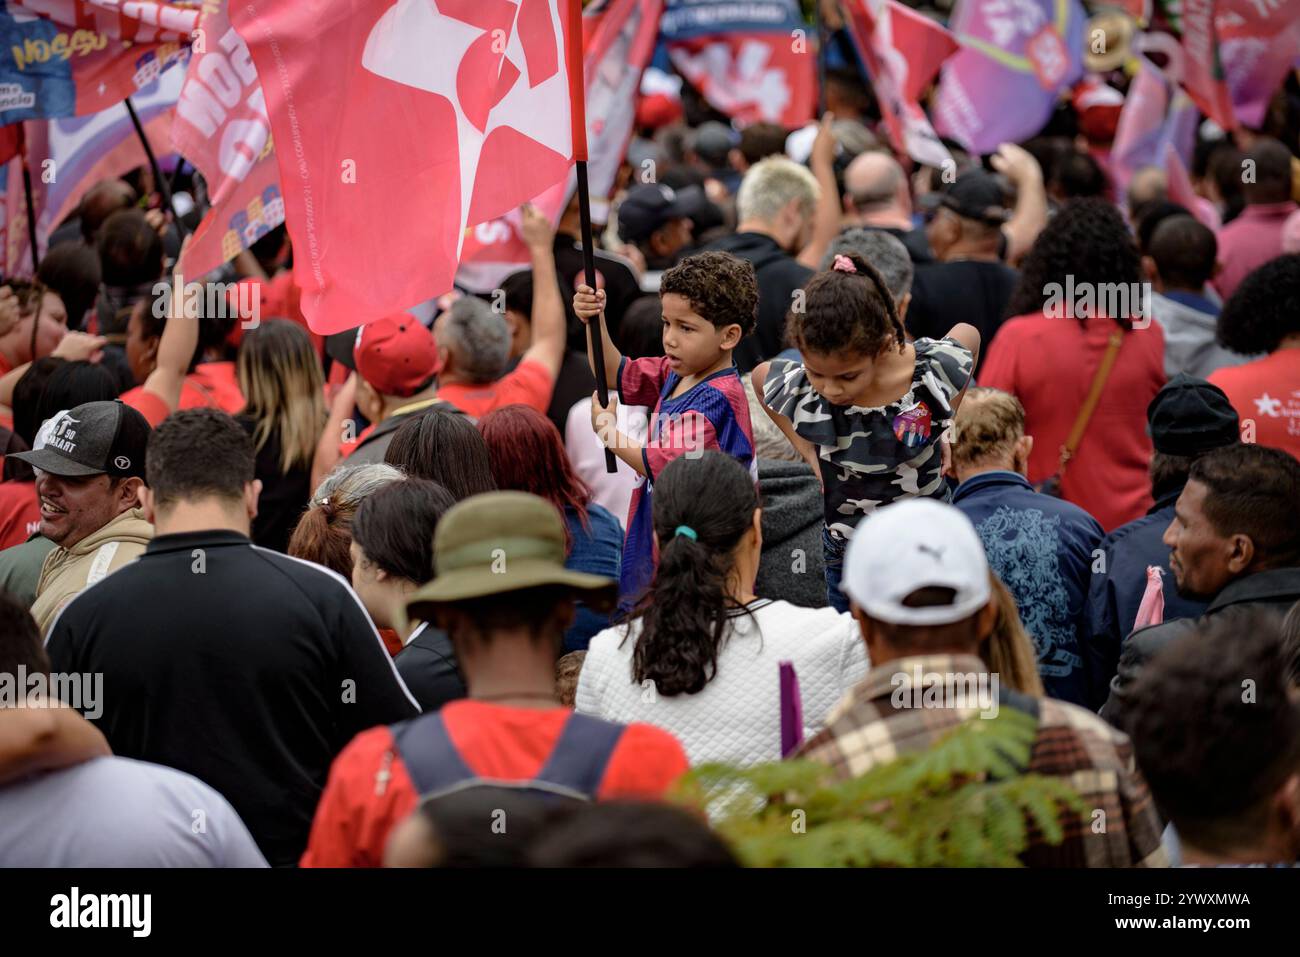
(431,758)
(581,756)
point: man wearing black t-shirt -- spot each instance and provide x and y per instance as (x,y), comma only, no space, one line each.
(246,668)
(969,283)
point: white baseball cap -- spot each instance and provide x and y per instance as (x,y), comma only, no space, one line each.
(916,543)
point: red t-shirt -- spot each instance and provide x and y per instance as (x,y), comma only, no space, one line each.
(1267,393)
(358,808)
(1049,364)
(20,512)
(530,384)
(212,385)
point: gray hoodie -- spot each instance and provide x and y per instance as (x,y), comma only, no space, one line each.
(1189,339)
(791,567)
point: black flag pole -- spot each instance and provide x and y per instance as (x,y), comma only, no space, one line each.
(158,177)
(31,213)
(594,326)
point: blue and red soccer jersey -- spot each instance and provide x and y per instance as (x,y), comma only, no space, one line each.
(712,415)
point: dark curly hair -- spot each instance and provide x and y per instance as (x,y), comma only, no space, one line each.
(846,312)
(721,287)
(685,612)
(1264,309)
(1214,755)
(1088,240)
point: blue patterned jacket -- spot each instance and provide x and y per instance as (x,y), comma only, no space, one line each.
(1042,549)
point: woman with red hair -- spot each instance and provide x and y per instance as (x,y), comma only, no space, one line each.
(527,455)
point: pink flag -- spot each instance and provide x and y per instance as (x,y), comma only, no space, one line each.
(1202,69)
(902,51)
(619,40)
(791,709)
(1259,41)
(1151,610)
(222,128)
(1153,130)
(1141,125)
(401,125)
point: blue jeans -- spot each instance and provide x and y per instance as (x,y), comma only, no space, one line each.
(833,553)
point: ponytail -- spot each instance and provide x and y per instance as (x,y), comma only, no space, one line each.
(702,509)
(847,309)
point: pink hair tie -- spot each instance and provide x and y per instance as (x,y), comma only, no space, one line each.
(843,263)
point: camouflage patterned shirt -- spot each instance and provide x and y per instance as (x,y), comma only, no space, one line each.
(874,456)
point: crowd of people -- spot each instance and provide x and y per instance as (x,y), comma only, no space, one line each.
(343,600)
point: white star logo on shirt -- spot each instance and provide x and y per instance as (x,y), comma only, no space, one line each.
(1267,405)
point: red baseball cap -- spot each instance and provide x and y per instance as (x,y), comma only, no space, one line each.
(397,355)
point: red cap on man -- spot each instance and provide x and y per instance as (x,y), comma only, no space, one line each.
(397,355)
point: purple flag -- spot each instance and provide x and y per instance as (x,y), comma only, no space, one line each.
(1021,52)
(791,710)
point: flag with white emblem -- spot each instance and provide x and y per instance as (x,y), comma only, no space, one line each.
(399,125)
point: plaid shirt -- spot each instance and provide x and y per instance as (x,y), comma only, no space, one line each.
(866,729)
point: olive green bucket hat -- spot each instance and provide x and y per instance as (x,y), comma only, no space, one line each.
(502,542)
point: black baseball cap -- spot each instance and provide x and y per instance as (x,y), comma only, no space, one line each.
(977,194)
(648,207)
(97,438)
(1190,416)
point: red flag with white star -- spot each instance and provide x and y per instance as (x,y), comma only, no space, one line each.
(399,125)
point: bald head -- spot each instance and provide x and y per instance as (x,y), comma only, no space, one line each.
(100,202)
(1148,185)
(876,189)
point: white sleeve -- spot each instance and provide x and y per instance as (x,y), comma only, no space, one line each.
(586,698)
(854,663)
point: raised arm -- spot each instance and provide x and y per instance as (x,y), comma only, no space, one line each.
(327,446)
(589,303)
(969,338)
(548,321)
(176,347)
(826,219)
(1030,213)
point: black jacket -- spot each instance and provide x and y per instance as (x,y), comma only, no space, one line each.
(1119,581)
(244,667)
(428,668)
(1278,588)
(779,275)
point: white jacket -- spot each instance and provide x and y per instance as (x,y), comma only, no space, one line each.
(736,717)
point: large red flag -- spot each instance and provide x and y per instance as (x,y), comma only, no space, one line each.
(398,125)
(1202,69)
(618,40)
(902,51)
(222,128)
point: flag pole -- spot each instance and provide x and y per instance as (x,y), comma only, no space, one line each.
(31,210)
(589,273)
(158,177)
(578,121)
